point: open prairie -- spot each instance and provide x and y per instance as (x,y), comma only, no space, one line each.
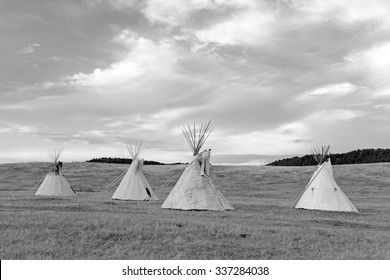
(262,226)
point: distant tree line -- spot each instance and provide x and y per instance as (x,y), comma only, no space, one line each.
(127,161)
(353,157)
(122,161)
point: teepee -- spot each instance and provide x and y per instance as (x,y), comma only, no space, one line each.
(55,183)
(134,185)
(195,190)
(322,191)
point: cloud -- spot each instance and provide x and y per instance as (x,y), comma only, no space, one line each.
(275,77)
(173,12)
(385,107)
(244,22)
(262,141)
(55,58)
(346,129)
(383,92)
(334,115)
(16,128)
(244,28)
(29,49)
(145,58)
(177,13)
(86,137)
(339,89)
(374,61)
(303,141)
(347,11)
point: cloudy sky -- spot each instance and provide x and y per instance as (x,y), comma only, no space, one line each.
(276,77)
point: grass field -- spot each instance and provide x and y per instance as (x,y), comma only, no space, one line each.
(261,227)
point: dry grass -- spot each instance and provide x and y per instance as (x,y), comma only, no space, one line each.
(261,227)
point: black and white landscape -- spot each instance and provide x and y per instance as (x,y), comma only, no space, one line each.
(256,81)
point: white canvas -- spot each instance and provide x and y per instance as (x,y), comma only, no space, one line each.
(134,185)
(323,193)
(195,190)
(55,185)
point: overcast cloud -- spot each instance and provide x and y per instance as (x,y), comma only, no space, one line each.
(275,77)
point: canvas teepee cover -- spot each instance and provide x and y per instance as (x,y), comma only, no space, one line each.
(195,190)
(134,185)
(55,183)
(322,192)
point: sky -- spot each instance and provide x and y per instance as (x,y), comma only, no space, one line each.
(275,77)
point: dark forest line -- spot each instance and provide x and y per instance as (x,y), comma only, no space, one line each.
(353,157)
(127,161)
